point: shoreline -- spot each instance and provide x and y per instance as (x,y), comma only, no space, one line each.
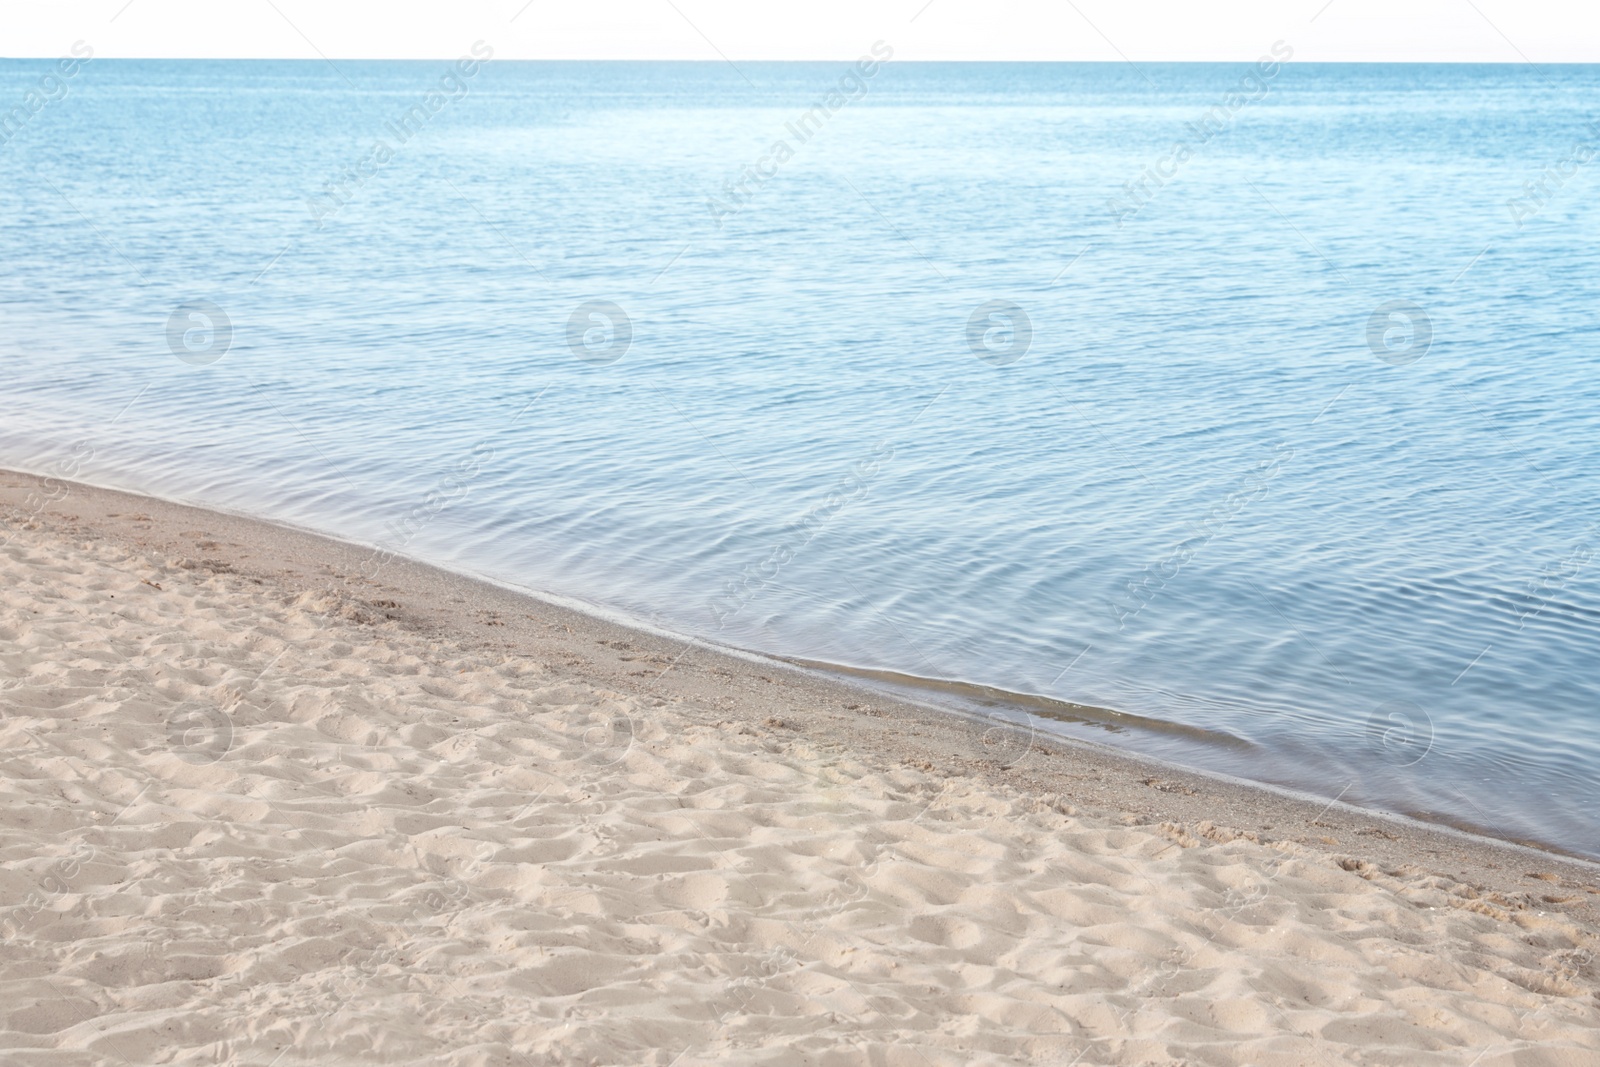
(951,696)
(460,605)
(961,698)
(254,803)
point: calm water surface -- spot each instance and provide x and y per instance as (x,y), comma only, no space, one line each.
(1199,497)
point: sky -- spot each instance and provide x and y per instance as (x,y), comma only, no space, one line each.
(1504,31)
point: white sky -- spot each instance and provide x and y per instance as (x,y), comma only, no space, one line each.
(1544,31)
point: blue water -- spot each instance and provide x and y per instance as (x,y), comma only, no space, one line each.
(1188,489)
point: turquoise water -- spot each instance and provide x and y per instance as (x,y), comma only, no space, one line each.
(1290,447)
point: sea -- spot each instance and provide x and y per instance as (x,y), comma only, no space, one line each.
(1241,415)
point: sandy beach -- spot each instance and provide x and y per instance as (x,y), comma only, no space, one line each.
(263,806)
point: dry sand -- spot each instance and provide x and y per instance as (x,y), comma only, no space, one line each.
(256,809)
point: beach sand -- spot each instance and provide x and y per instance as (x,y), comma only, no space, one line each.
(258,809)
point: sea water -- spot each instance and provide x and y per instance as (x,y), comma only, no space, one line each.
(1253,405)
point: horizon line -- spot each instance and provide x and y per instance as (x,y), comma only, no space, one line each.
(820,59)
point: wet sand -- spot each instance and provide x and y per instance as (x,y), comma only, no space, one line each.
(267,801)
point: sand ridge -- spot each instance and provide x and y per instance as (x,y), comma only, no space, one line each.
(253,821)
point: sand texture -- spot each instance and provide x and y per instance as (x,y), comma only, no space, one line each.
(248,820)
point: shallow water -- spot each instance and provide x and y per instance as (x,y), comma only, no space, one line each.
(1347,554)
